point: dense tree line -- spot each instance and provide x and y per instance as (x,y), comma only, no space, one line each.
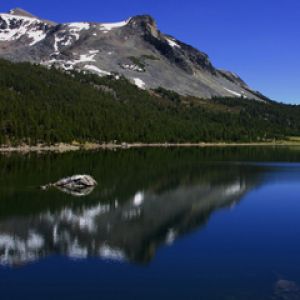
(41,105)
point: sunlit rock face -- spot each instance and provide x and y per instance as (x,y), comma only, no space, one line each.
(134,48)
(76,185)
(131,230)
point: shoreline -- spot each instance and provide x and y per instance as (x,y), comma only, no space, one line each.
(61,147)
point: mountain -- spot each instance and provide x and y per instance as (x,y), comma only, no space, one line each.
(134,48)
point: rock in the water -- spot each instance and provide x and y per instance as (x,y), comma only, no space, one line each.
(77,181)
(286,290)
(77,185)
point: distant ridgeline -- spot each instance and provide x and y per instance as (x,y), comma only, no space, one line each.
(49,106)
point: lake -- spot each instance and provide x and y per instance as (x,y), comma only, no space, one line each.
(207,223)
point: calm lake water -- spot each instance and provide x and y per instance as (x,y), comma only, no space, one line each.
(214,223)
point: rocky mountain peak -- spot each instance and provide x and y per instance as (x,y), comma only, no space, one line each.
(144,22)
(134,48)
(21,12)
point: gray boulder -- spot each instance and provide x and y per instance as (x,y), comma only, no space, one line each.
(77,185)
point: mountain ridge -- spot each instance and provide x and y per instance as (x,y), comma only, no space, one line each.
(20,12)
(134,48)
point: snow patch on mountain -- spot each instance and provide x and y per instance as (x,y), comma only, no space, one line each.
(110,26)
(12,34)
(93,51)
(14,18)
(132,67)
(172,43)
(233,92)
(17,26)
(36,36)
(86,57)
(57,40)
(139,83)
(76,28)
(79,26)
(70,64)
(97,70)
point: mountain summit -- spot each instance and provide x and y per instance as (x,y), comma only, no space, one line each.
(21,12)
(134,48)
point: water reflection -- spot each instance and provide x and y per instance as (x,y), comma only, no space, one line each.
(125,218)
(129,230)
(79,192)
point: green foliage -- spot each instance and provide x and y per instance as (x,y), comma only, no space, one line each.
(171,95)
(137,61)
(149,57)
(49,106)
(141,61)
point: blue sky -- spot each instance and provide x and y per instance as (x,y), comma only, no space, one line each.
(258,39)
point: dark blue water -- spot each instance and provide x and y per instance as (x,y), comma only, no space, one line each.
(178,224)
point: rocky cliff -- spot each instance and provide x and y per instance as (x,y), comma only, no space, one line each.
(134,48)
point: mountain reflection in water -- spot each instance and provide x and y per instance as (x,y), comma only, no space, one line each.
(144,199)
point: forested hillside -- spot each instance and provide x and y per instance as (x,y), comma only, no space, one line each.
(49,106)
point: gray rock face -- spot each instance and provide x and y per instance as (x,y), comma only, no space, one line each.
(134,48)
(77,181)
(21,12)
(77,185)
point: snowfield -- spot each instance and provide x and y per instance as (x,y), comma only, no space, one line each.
(139,82)
(21,26)
(97,70)
(110,26)
(172,43)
